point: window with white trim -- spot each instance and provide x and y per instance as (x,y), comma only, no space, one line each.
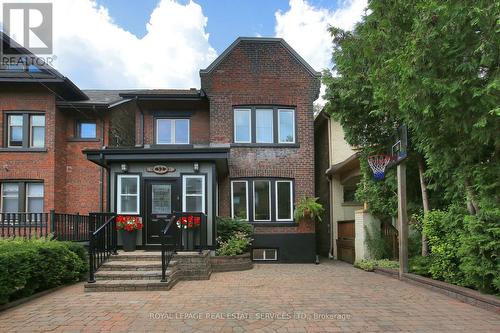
(242,126)
(262,200)
(10,198)
(128,194)
(239,202)
(284,197)
(193,193)
(286,126)
(172,131)
(264,126)
(34,197)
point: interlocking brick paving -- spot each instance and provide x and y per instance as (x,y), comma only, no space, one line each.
(268,298)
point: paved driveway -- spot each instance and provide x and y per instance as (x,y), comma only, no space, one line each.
(330,297)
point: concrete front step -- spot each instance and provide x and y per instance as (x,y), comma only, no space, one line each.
(129,285)
(130,275)
(137,256)
(135,265)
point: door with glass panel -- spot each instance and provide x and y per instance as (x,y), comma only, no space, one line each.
(162,200)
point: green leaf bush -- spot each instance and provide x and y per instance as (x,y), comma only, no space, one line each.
(235,245)
(370,264)
(30,266)
(228,227)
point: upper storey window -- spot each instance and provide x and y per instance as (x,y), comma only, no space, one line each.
(86,130)
(172,131)
(25,130)
(264,125)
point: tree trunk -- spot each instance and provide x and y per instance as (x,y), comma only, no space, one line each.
(472,205)
(425,203)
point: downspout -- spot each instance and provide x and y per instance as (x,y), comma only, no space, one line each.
(101,188)
(141,123)
(331,253)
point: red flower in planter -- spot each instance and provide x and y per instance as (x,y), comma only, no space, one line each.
(128,223)
(189,222)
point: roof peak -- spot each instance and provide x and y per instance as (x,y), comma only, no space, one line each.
(238,40)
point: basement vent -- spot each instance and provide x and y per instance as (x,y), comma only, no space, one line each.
(265,254)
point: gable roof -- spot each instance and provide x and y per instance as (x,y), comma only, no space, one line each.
(281,41)
(45,75)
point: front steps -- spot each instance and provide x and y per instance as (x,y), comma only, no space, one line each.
(141,271)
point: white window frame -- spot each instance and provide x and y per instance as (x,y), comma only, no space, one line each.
(253,200)
(264,255)
(173,127)
(291,200)
(272,126)
(249,125)
(9,130)
(2,196)
(31,142)
(27,185)
(185,195)
(279,126)
(246,194)
(119,194)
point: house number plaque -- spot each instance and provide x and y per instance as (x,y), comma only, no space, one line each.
(161,169)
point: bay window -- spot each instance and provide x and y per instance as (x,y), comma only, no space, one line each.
(172,131)
(193,189)
(271,200)
(128,194)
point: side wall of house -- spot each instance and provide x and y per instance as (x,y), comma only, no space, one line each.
(322,163)
(256,74)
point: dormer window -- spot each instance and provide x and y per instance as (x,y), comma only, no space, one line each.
(172,131)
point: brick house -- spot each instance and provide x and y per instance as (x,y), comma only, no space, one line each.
(241,146)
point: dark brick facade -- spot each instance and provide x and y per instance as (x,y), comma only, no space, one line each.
(71,183)
(264,73)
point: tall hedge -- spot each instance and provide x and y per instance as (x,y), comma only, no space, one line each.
(29,266)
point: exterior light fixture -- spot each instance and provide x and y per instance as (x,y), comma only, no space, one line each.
(124,167)
(196,167)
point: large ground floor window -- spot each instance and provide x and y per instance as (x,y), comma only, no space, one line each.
(262,200)
(193,193)
(19,197)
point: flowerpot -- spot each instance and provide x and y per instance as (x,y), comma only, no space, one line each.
(129,239)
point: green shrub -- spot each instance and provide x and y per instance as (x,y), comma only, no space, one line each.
(369,265)
(237,244)
(29,266)
(365,264)
(378,246)
(444,231)
(386,263)
(228,227)
(480,249)
(420,265)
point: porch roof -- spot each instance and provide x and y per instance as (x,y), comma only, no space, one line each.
(106,156)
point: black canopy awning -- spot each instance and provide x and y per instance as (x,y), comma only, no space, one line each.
(104,157)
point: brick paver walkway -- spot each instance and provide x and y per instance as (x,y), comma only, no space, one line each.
(330,297)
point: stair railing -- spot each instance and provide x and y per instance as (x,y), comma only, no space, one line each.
(168,245)
(103,241)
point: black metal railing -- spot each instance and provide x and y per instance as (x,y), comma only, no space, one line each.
(103,240)
(27,225)
(71,227)
(168,245)
(192,231)
(64,227)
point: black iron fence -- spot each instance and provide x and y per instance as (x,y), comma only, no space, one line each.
(192,231)
(168,245)
(65,227)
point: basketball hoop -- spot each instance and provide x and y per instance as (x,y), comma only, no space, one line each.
(378,163)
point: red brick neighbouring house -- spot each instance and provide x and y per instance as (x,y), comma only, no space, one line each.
(240,146)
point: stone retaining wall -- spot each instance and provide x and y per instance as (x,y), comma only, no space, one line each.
(231,263)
